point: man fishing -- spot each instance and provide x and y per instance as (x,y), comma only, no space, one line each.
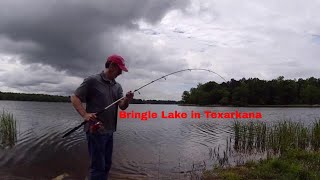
(99,91)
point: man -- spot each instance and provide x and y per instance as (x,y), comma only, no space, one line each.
(99,91)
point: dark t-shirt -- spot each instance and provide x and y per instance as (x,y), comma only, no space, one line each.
(98,92)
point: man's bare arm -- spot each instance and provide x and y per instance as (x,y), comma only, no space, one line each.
(124,103)
(76,102)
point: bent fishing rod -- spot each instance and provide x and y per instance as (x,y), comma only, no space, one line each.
(137,90)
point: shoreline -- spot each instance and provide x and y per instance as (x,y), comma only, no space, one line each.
(271,106)
(197,105)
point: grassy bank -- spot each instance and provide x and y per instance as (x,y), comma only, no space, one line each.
(294,164)
(290,151)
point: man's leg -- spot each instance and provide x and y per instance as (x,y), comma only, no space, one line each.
(96,147)
(108,152)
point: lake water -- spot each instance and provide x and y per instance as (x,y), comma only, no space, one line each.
(153,149)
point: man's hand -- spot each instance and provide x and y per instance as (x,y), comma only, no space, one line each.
(124,103)
(90,116)
(129,95)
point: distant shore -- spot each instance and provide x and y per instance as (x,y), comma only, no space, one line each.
(10,96)
(164,102)
(284,106)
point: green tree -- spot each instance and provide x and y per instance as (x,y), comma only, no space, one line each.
(185,97)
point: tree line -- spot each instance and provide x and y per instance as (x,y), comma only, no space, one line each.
(55,98)
(142,101)
(33,97)
(254,91)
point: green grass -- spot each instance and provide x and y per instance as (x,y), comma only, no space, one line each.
(293,164)
(8,129)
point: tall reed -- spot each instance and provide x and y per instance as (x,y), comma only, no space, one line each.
(277,138)
(8,129)
(315,135)
(268,139)
(249,137)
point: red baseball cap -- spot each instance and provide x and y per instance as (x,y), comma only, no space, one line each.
(118,60)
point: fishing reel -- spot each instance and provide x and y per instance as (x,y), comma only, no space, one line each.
(96,127)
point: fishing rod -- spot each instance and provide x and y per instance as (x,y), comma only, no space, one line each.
(137,90)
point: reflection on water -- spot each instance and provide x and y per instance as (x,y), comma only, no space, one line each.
(157,148)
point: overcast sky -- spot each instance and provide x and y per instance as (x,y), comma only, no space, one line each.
(50,46)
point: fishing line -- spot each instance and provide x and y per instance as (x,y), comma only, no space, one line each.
(137,90)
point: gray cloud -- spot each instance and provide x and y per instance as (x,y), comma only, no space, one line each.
(73,35)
